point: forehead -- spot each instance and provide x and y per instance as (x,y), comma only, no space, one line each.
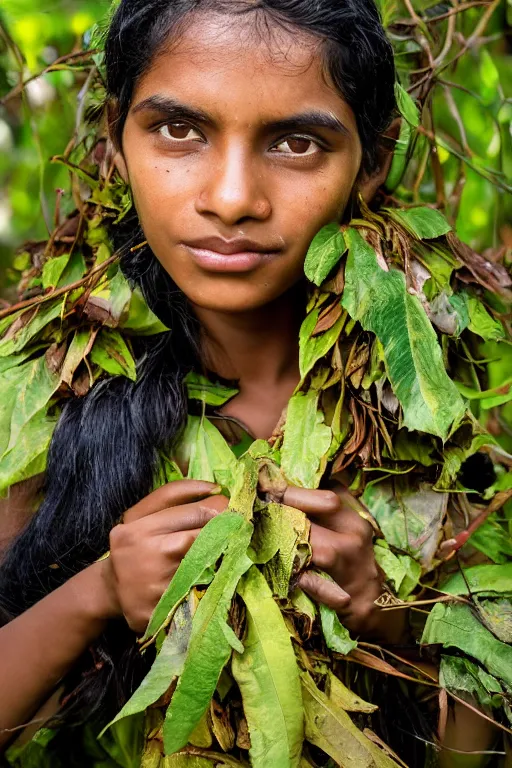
(245,67)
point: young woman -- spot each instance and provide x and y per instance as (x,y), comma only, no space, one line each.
(242,127)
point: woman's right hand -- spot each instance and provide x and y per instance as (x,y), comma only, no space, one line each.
(148,546)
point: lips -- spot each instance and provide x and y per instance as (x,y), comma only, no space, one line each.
(214,254)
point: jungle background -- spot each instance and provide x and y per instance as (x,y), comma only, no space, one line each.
(453,57)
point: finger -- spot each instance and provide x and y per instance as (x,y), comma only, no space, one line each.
(311,502)
(323,591)
(185,517)
(171,495)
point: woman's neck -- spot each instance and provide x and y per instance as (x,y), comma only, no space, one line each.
(259,349)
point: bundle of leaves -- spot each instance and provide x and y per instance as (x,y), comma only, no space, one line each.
(248,670)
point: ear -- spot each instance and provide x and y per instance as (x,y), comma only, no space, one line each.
(117,152)
(369,184)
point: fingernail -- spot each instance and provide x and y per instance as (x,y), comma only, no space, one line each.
(215,490)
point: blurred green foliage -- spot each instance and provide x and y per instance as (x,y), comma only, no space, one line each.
(472,115)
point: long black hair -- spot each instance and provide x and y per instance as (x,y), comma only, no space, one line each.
(104,450)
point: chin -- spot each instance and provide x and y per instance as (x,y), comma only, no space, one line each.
(233,299)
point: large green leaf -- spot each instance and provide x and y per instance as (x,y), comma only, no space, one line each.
(324,253)
(53,269)
(168,664)
(330,728)
(379,300)
(454,625)
(423,223)
(484,580)
(212,541)
(268,678)
(306,441)
(211,643)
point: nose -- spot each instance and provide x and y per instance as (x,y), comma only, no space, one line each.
(234,188)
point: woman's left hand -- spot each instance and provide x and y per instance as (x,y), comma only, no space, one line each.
(342,543)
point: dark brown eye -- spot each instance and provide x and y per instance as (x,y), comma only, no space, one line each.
(179,132)
(297,145)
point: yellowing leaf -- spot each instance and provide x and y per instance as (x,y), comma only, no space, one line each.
(330,728)
(268,678)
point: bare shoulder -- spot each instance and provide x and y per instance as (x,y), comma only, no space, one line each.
(17,508)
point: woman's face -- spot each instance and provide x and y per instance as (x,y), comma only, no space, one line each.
(238,152)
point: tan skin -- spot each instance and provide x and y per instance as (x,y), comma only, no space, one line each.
(239,172)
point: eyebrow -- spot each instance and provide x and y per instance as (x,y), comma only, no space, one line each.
(174,109)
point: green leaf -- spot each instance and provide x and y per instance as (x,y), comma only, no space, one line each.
(210,646)
(484,580)
(53,269)
(422,222)
(28,456)
(400,157)
(481,322)
(201,388)
(330,729)
(211,543)
(380,301)
(456,626)
(46,312)
(281,542)
(209,456)
(491,539)
(324,253)
(470,682)
(335,634)
(406,106)
(140,319)
(268,665)
(401,570)
(110,352)
(313,348)
(306,441)
(410,517)
(168,664)
(74,270)
(32,386)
